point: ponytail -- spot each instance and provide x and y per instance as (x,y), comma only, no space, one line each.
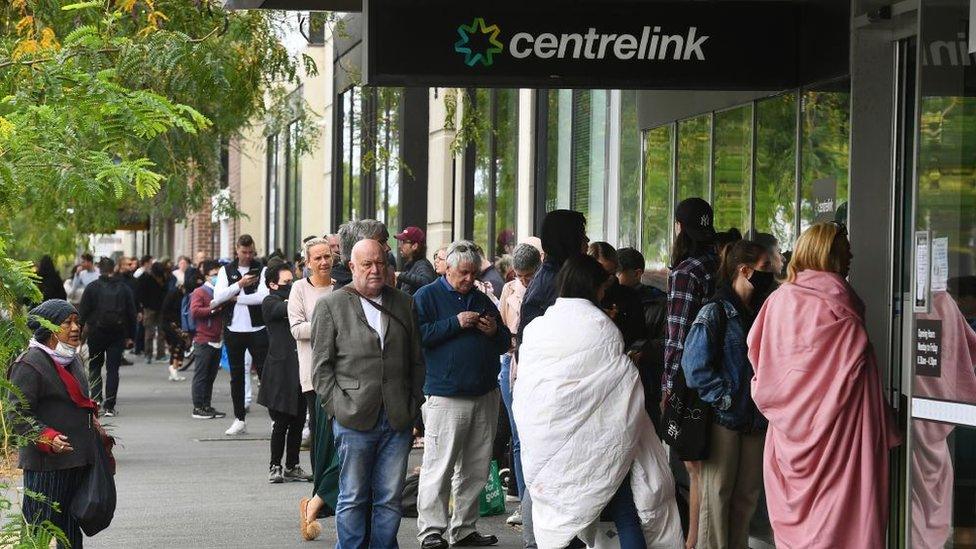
(743,252)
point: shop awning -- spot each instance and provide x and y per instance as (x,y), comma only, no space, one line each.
(298,5)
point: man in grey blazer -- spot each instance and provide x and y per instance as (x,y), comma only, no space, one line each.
(369,373)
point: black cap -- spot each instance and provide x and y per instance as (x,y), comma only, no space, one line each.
(696,217)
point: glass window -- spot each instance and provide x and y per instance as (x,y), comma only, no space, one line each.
(387,189)
(351,154)
(495,177)
(825,154)
(630,166)
(656,206)
(732,169)
(694,152)
(559,149)
(271,192)
(775,185)
(293,190)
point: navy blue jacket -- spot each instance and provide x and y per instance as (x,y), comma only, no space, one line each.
(539,296)
(459,362)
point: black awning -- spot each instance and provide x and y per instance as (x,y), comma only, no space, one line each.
(296,5)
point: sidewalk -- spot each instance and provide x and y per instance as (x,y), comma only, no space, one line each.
(183,484)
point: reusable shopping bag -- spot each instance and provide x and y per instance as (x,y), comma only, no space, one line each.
(491,502)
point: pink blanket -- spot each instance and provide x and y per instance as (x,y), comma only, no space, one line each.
(932,471)
(826,458)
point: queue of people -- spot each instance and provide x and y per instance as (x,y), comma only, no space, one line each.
(763,382)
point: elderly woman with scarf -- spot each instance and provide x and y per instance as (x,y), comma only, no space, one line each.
(587,443)
(53,397)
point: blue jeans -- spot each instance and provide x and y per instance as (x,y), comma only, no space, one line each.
(504,381)
(623,512)
(372,463)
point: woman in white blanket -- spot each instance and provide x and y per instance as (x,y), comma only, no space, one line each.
(587,442)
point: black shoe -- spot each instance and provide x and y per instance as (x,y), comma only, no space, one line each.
(215,413)
(434,541)
(202,413)
(476,540)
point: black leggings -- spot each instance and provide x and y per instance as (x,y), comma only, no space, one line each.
(286,433)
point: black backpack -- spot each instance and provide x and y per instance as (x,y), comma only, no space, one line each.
(110,310)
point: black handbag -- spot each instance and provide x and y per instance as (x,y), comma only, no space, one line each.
(687,419)
(94,503)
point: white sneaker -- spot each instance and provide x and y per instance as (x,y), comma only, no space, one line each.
(306,436)
(236,428)
(174,375)
(516,518)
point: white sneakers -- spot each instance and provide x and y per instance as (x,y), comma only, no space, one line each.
(237,428)
(174,375)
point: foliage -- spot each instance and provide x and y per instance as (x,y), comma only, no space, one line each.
(112,110)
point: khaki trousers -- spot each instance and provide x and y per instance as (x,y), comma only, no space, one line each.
(458,437)
(731,481)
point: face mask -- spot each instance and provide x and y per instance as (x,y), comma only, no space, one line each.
(762,281)
(213,280)
(65,351)
(282,291)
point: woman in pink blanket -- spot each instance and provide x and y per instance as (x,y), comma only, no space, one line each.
(826,457)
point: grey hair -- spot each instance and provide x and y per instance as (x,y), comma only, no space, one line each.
(464,251)
(352,232)
(313,242)
(526,258)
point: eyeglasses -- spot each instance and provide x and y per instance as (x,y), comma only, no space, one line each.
(841,228)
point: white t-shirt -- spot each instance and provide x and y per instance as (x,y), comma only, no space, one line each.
(374,317)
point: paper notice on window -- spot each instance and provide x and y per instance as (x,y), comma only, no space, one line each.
(940,264)
(922,272)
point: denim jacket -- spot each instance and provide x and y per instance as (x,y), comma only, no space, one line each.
(728,389)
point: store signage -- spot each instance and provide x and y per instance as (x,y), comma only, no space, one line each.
(824,199)
(928,348)
(584,43)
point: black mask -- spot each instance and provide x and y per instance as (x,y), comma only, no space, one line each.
(762,282)
(282,291)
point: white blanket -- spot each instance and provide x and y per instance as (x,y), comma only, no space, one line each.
(579,408)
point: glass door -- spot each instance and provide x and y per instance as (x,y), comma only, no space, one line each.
(941,341)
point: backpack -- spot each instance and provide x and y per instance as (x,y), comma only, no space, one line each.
(110,311)
(187,322)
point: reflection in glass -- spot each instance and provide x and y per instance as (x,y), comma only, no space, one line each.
(387,165)
(630,148)
(733,169)
(694,152)
(482,169)
(506,164)
(271,192)
(775,185)
(559,149)
(351,154)
(293,184)
(825,151)
(656,207)
(943,473)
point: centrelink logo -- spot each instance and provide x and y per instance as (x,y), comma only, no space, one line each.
(650,45)
(471,57)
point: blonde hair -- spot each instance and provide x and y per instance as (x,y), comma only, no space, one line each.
(313,242)
(817,250)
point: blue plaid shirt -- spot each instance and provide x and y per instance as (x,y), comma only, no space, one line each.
(690,284)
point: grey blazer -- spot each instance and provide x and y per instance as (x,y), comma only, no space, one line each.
(42,401)
(353,375)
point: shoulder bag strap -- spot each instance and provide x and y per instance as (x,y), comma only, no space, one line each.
(378,307)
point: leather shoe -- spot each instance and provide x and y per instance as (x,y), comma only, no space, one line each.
(434,541)
(477,540)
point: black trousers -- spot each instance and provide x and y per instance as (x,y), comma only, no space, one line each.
(206,366)
(286,434)
(237,342)
(105,350)
(58,487)
(310,401)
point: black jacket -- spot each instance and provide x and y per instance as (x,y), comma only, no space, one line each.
(151,292)
(628,314)
(281,388)
(492,275)
(101,311)
(44,401)
(416,275)
(341,275)
(52,287)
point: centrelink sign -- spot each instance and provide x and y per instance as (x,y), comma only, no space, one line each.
(583,43)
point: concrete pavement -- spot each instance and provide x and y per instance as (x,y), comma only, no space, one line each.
(183,484)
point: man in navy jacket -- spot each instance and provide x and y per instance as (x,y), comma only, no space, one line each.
(462,339)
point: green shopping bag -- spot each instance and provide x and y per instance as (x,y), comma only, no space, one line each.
(491,502)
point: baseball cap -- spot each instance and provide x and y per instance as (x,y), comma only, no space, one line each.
(412,234)
(696,217)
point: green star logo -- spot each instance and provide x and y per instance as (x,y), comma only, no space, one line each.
(478,27)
